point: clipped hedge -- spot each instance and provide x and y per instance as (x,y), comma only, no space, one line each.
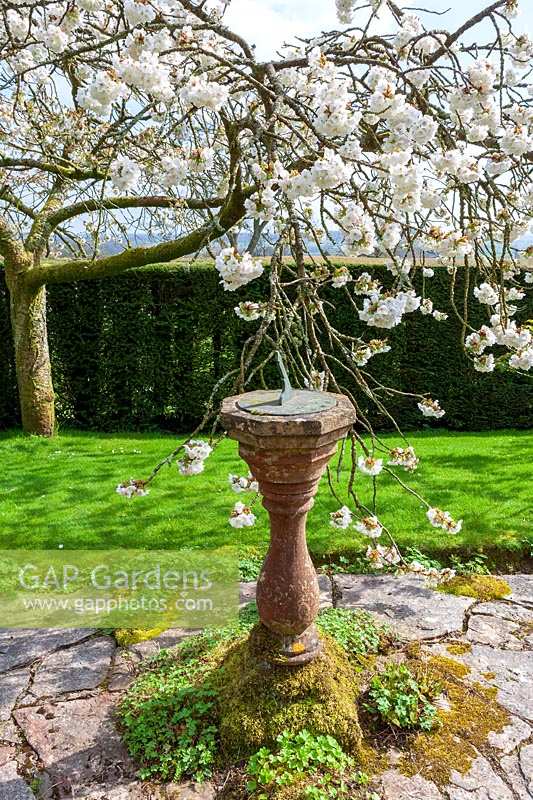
(144,351)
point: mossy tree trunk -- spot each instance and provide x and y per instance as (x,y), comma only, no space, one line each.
(27,278)
(32,357)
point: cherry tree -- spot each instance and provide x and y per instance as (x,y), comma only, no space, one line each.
(128,117)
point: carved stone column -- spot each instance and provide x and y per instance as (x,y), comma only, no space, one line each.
(288,455)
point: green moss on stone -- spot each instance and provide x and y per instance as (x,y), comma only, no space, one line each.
(258,701)
(464,728)
(128,636)
(482,587)
(449,666)
(459,648)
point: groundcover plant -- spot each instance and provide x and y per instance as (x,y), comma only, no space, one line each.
(151,118)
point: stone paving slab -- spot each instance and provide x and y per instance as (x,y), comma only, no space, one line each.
(23,646)
(502,624)
(9,732)
(12,685)
(504,610)
(7,753)
(511,672)
(526,765)
(12,787)
(511,736)
(406,601)
(396,786)
(480,783)
(500,633)
(76,741)
(81,667)
(522,586)
(519,779)
(164,641)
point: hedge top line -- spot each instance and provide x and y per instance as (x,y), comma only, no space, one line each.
(198,264)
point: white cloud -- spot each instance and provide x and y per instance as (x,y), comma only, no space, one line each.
(270,23)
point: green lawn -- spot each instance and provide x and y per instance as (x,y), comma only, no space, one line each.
(63,492)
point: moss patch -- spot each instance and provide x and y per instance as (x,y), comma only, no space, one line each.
(459,648)
(464,728)
(482,587)
(128,636)
(448,666)
(259,701)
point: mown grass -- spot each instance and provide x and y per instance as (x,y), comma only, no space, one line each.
(62,492)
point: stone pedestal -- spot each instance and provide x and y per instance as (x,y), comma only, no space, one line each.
(288,455)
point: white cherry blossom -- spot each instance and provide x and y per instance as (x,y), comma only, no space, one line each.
(242,516)
(431,408)
(369,465)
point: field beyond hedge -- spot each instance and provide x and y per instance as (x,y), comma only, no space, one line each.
(62,492)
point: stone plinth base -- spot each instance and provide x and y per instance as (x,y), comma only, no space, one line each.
(259,699)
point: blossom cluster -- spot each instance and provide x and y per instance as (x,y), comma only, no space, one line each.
(328,172)
(431,408)
(365,352)
(250,311)
(237,269)
(442,519)
(243,484)
(404,457)
(434,575)
(133,488)
(370,465)
(196,453)
(175,169)
(386,309)
(370,526)
(502,331)
(242,516)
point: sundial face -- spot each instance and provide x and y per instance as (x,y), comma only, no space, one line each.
(286,402)
(274,402)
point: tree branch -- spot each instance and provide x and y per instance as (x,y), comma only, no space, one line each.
(111,203)
(55,169)
(466,26)
(10,247)
(87,269)
(12,200)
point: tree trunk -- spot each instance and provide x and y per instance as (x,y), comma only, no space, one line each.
(32,358)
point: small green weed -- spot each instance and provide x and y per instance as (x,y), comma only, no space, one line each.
(317,765)
(250,563)
(403,700)
(414,554)
(355,631)
(476,565)
(359,565)
(171,733)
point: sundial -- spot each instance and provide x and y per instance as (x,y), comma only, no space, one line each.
(287,437)
(286,402)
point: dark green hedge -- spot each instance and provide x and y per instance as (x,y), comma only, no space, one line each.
(144,351)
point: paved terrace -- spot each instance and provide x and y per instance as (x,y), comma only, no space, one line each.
(59,688)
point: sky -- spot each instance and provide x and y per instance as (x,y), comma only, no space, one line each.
(267,23)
